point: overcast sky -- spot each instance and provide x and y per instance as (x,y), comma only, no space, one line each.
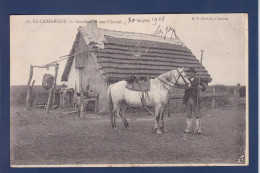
(223,38)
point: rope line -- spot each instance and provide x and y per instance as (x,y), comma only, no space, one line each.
(67,56)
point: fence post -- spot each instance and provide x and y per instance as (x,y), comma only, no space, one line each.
(236,94)
(61,98)
(213,99)
(29,90)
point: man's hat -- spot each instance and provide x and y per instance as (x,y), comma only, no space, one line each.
(191,70)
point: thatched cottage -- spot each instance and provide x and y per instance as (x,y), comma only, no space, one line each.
(102,57)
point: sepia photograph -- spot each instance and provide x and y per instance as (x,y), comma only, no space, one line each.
(146,90)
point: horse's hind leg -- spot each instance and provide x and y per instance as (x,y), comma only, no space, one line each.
(122,114)
(113,121)
(157,119)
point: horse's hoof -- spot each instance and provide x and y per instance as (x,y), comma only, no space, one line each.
(197,132)
(158,131)
(127,126)
(165,130)
(115,129)
(188,131)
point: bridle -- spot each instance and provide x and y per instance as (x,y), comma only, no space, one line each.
(180,85)
(174,84)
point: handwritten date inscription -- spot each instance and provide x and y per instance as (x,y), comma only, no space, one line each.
(153,20)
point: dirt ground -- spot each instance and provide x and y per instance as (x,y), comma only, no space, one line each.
(58,139)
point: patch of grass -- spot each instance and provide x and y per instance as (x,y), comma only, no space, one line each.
(40,139)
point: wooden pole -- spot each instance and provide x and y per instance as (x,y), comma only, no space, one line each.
(29,90)
(55,79)
(198,95)
(75,98)
(61,99)
(81,106)
(213,99)
(52,91)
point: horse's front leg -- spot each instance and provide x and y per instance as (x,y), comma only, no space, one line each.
(162,119)
(157,119)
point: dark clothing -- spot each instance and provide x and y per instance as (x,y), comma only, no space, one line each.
(192,109)
(190,99)
(192,92)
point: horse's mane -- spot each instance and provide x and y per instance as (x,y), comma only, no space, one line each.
(168,75)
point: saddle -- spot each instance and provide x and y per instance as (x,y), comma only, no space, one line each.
(138,83)
(141,84)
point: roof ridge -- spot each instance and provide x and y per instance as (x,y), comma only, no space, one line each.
(96,35)
(142,36)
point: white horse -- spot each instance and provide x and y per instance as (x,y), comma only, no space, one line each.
(119,97)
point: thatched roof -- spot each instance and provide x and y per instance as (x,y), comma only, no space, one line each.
(120,54)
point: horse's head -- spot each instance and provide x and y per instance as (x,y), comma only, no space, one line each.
(176,77)
(182,80)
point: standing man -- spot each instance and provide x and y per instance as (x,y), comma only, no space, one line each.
(190,100)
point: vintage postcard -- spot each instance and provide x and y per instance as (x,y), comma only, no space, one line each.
(129,90)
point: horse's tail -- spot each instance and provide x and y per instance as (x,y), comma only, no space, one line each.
(110,104)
